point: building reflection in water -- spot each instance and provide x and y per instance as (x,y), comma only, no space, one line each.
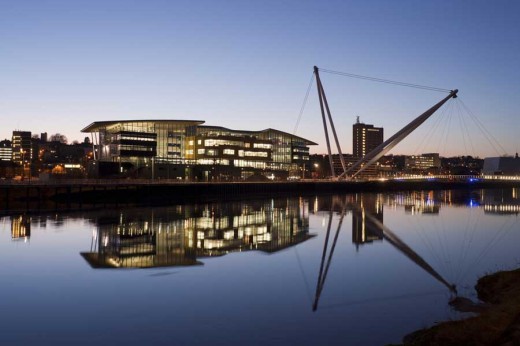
(177,236)
(20,227)
(363,231)
(506,201)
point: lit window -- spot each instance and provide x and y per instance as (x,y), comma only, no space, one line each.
(229,152)
(262,145)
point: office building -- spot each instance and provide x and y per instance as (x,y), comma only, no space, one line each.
(187,149)
(422,163)
(365,138)
(21,147)
(6,151)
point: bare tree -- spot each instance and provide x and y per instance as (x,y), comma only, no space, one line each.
(58,137)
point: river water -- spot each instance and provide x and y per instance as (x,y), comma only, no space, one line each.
(360,269)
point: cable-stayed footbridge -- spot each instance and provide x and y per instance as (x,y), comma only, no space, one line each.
(354,170)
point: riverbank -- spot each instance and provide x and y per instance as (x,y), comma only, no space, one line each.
(37,195)
(498,324)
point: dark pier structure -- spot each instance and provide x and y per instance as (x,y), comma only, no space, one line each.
(86,193)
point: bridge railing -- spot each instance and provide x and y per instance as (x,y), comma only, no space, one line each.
(126,182)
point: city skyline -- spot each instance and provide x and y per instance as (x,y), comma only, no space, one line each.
(248,65)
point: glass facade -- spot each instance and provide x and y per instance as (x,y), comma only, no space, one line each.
(269,149)
(135,144)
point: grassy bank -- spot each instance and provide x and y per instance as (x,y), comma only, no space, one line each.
(498,324)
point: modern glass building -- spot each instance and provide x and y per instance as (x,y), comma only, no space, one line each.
(187,149)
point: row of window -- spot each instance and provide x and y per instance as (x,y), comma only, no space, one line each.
(134,138)
(226,142)
(300,150)
(236,163)
(135,148)
(297,157)
(241,153)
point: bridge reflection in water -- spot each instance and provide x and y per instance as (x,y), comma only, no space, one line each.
(368,221)
(181,235)
(178,236)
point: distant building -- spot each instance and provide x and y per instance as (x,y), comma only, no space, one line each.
(21,147)
(365,138)
(462,165)
(502,165)
(348,159)
(6,151)
(422,162)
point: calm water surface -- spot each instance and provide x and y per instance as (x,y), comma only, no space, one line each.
(361,269)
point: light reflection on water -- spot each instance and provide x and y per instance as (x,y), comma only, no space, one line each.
(361,269)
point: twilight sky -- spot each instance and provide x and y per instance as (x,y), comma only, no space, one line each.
(247,64)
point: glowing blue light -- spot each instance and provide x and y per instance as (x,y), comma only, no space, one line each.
(472,203)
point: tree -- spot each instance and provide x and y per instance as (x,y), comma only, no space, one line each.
(58,137)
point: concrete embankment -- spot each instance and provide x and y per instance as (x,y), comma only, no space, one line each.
(36,195)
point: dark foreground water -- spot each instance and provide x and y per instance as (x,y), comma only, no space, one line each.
(359,269)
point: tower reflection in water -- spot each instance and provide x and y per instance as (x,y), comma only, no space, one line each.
(178,236)
(368,226)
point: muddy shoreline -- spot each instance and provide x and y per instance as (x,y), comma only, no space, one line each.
(497,324)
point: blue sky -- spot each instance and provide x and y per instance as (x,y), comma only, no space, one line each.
(247,65)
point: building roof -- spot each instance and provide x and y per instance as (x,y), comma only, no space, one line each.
(306,141)
(95,126)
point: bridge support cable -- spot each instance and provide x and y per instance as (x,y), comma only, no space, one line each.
(303,104)
(489,137)
(386,146)
(387,81)
(446,134)
(497,237)
(434,129)
(323,101)
(393,239)
(324,267)
(464,131)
